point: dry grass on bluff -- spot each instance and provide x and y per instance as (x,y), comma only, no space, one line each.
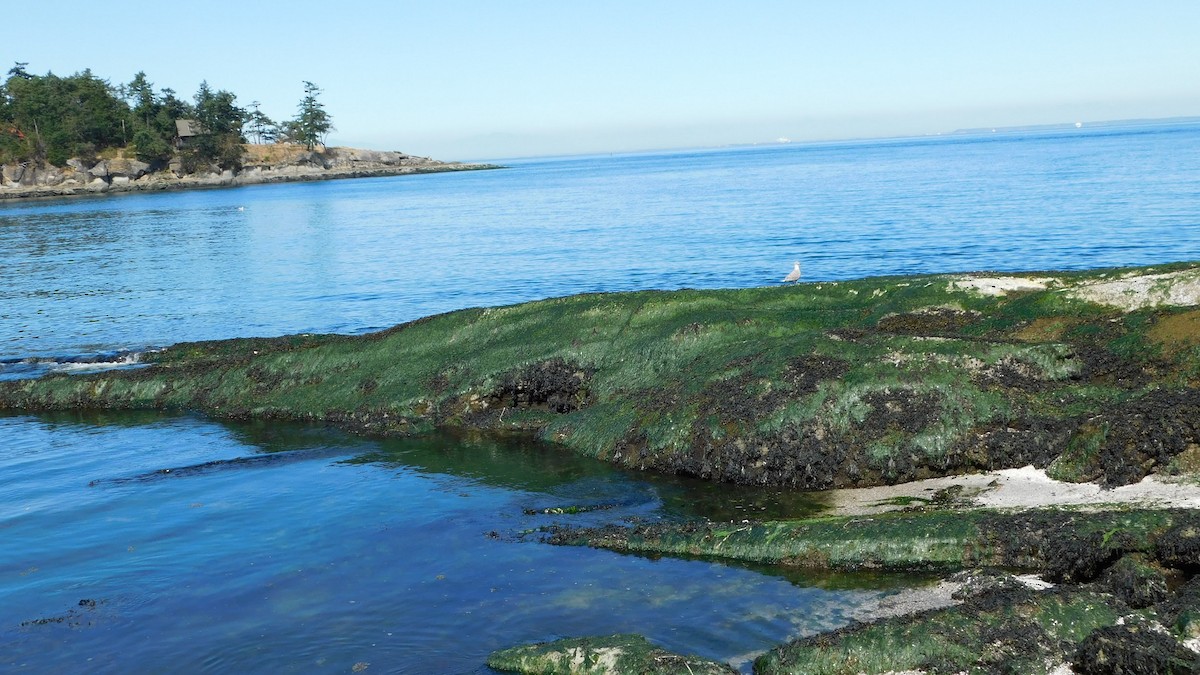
(819,385)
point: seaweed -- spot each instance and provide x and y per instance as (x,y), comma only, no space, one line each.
(811,386)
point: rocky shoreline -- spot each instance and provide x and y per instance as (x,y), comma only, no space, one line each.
(1108,589)
(262,164)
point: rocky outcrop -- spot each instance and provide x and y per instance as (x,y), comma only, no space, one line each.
(813,386)
(261,164)
(334,163)
(1110,596)
(26,177)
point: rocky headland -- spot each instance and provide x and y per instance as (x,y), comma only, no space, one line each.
(981,427)
(276,163)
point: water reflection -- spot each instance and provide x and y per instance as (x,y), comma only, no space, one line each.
(404,553)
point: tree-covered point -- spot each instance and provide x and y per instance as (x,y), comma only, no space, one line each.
(47,119)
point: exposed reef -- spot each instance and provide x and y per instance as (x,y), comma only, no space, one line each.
(1117,591)
(1062,545)
(816,386)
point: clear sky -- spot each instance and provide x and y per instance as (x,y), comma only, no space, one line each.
(473,79)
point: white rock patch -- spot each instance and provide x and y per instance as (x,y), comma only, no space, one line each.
(1027,487)
(605,659)
(1001,286)
(1134,292)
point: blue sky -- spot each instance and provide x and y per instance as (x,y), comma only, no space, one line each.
(465,79)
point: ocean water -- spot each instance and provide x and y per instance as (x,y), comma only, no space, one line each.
(152,543)
(90,276)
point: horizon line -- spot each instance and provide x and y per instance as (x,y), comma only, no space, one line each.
(781,142)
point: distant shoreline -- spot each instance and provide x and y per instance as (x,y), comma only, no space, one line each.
(156,183)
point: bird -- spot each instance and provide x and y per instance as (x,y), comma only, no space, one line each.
(794,275)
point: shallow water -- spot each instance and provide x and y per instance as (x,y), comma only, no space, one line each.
(327,550)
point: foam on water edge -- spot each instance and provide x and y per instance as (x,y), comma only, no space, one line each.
(22,368)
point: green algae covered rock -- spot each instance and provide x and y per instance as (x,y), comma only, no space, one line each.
(611,655)
(812,386)
(1135,646)
(1137,581)
(1027,633)
(1066,545)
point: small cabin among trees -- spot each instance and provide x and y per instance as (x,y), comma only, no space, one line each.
(186,132)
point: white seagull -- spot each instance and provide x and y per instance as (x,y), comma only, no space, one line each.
(794,275)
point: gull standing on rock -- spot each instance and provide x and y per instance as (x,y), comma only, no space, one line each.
(794,275)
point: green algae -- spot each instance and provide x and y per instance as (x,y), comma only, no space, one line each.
(608,655)
(810,386)
(1079,462)
(891,542)
(1030,633)
(1067,544)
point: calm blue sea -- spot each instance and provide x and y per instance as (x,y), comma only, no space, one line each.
(132,271)
(276,548)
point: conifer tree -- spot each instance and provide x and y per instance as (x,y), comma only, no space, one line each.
(312,123)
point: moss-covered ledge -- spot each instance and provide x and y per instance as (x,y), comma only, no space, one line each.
(1014,630)
(1063,544)
(812,386)
(1124,597)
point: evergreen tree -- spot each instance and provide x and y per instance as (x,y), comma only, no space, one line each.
(312,123)
(221,121)
(139,94)
(260,127)
(53,118)
(150,147)
(18,70)
(153,131)
(217,112)
(47,118)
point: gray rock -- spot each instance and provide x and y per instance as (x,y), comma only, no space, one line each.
(130,168)
(13,174)
(51,175)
